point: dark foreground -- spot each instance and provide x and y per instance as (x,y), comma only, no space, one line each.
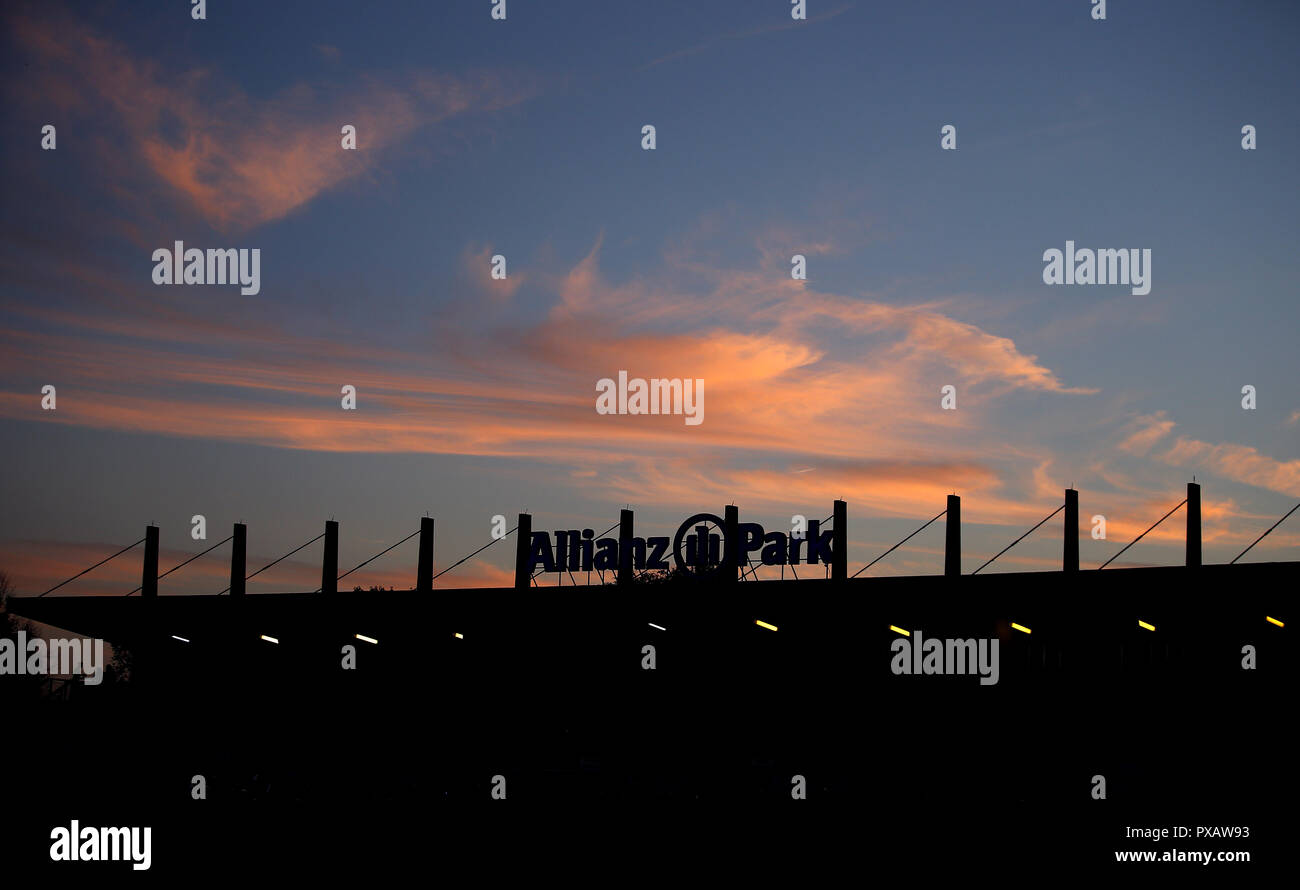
(394,763)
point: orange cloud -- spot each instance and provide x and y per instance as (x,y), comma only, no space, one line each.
(240,160)
(1241,463)
(768,388)
(1144,432)
(865,413)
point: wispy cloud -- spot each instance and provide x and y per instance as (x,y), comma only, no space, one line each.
(1143,432)
(1240,463)
(243,160)
(866,408)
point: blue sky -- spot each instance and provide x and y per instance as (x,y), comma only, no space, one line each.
(522,138)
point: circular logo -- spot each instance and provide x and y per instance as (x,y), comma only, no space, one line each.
(689,526)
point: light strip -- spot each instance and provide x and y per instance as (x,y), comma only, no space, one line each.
(269,639)
(899,630)
(1142,623)
(765,624)
(183,640)
(1274,621)
(657,627)
(460,636)
(366,638)
(1021,628)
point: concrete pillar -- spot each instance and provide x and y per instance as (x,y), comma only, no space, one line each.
(329,564)
(1193,525)
(424,571)
(840,542)
(523,543)
(238,559)
(731,557)
(149,575)
(1071,553)
(952,540)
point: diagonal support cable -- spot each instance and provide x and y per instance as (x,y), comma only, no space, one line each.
(1263,536)
(1141,536)
(274,561)
(899,544)
(376,556)
(95,566)
(187,562)
(475,553)
(1021,538)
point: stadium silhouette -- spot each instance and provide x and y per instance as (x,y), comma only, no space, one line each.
(1134,674)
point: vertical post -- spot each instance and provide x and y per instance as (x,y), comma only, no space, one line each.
(731,554)
(1193,525)
(840,542)
(1071,557)
(147,647)
(952,540)
(523,546)
(238,556)
(424,571)
(329,564)
(624,546)
(149,575)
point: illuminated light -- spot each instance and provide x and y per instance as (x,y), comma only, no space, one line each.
(1275,621)
(1024,630)
(366,638)
(1142,623)
(765,624)
(460,636)
(183,640)
(657,627)
(899,630)
(269,639)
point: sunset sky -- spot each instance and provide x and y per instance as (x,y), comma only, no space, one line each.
(523,138)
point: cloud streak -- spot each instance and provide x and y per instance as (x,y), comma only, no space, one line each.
(239,160)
